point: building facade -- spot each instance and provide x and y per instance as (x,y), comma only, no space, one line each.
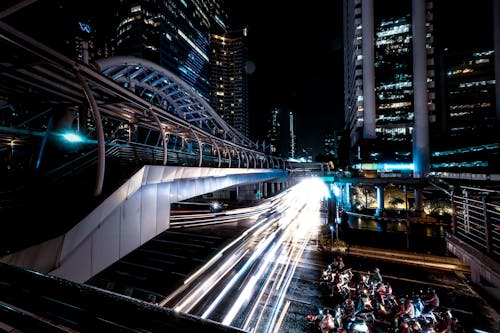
(387,82)
(229,79)
(469,139)
(174,34)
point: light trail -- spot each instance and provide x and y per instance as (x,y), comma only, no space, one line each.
(262,262)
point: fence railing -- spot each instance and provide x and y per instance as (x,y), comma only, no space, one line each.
(476,220)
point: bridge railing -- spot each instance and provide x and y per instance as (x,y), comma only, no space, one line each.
(34,302)
(477,221)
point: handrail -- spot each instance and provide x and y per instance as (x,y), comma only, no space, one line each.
(83,308)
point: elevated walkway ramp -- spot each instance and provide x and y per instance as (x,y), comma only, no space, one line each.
(135,213)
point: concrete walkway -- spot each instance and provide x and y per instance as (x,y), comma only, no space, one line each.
(408,258)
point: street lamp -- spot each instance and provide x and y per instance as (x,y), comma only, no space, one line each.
(331,229)
(337,223)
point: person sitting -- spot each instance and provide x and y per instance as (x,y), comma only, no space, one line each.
(338,264)
(363,284)
(349,308)
(407,312)
(432,302)
(327,323)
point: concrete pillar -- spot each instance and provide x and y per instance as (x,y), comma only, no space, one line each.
(342,193)
(368,48)
(380,200)
(264,189)
(496,23)
(421,153)
(419,203)
(248,192)
(348,196)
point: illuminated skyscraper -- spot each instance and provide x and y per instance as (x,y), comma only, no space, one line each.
(274,132)
(470,140)
(293,144)
(229,79)
(174,33)
(389,80)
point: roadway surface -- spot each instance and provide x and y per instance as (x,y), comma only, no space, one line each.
(162,272)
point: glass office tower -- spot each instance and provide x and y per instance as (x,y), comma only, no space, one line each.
(229,79)
(379,77)
(173,33)
(470,141)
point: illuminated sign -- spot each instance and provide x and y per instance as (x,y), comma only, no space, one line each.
(85,27)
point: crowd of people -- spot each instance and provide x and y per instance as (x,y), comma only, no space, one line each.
(365,302)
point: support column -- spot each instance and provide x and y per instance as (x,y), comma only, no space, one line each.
(380,201)
(264,189)
(368,48)
(348,196)
(419,203)
(421,153)
(496,31)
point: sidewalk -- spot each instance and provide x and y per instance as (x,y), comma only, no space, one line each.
(409,258)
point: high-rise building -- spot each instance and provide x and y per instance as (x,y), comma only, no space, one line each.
(229,79)
(292,148)
(389,80)
(469,139)
(329,144)
(174,34)
(274,132)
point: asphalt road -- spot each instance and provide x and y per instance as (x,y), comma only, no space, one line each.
(455,292)
(153,271)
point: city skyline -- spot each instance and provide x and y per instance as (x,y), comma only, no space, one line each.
(283,54)
(301,70)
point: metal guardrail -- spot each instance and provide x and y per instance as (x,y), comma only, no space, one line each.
(477,221)
(35,302)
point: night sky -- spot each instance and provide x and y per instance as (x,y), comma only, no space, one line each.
(297,52)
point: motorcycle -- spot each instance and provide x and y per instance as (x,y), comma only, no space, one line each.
(326,279)
(358,325)
(325,322)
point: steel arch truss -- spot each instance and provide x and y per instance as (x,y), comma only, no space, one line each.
(164,89)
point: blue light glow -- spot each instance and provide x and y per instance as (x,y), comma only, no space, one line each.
(384,166)
(72,137)
(395,166)
(336,190)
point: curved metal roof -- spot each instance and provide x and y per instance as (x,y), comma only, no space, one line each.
(165,90)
